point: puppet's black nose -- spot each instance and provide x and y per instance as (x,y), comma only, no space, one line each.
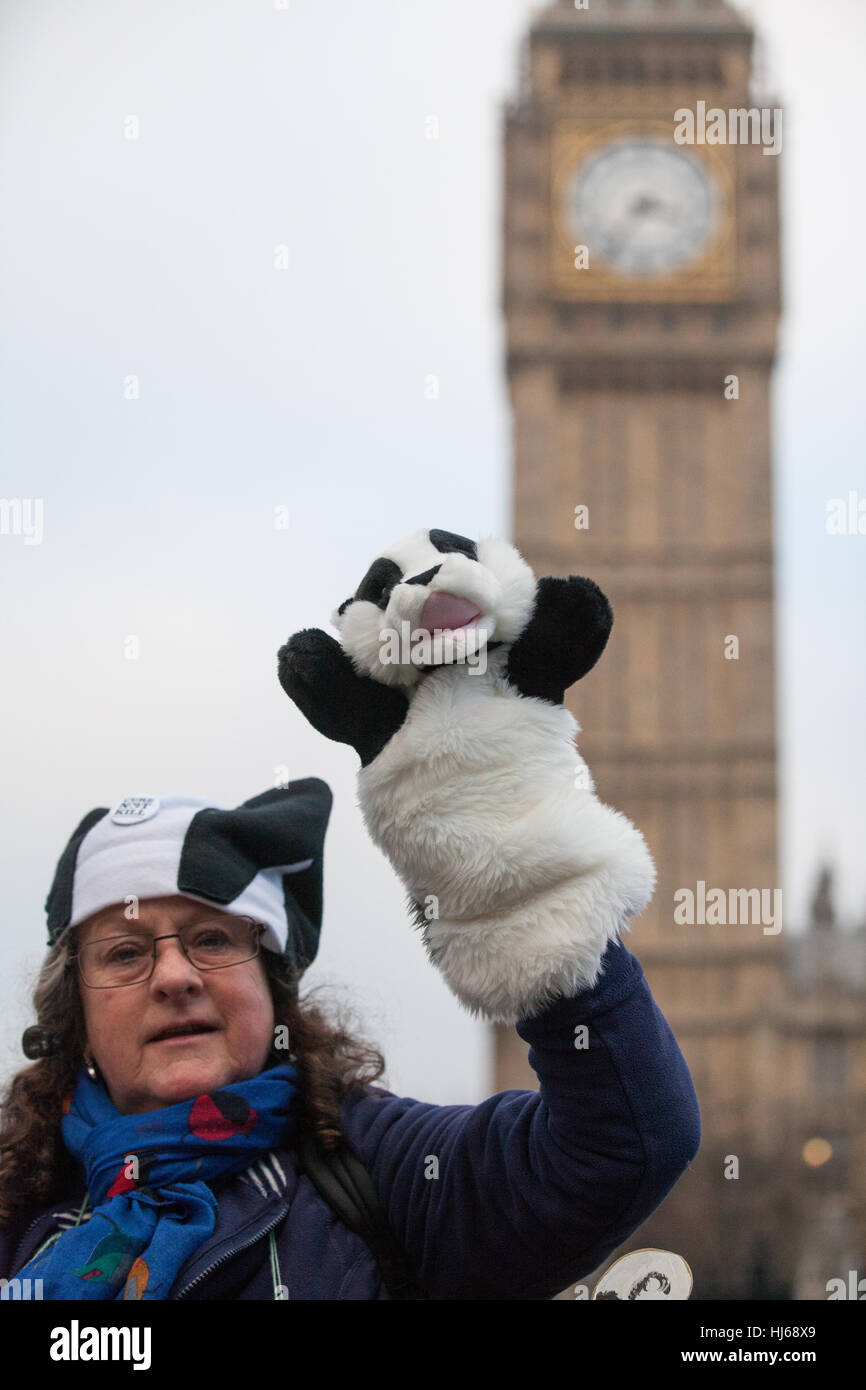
(423,578)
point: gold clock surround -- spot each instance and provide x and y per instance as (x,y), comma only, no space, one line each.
(710,278)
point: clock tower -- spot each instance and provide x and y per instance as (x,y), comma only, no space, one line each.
(641,301)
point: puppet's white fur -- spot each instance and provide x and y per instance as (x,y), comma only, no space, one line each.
(486,809)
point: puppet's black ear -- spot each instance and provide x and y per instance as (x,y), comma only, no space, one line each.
(563,640)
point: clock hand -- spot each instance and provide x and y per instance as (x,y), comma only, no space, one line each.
(670,211)
(616,234)
(641,208)
(619,232)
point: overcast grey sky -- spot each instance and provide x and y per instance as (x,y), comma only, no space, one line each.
(303,387)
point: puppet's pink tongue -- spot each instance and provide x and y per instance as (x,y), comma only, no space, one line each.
(447,611)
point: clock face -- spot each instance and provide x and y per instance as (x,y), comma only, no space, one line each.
(643,207)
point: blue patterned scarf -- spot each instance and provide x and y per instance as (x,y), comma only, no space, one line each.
(147,1178)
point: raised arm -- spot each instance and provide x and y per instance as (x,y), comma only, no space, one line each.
(535,1189)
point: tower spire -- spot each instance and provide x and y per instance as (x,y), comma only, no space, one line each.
(822,912)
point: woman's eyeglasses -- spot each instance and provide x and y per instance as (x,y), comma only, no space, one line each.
(130,959)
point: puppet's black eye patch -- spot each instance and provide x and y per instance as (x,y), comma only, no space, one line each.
(447,543)
(378,582)
(425,577)
(344,605)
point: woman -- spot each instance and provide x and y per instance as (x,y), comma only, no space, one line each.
(151,1153)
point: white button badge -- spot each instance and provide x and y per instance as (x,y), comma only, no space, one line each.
(134,809)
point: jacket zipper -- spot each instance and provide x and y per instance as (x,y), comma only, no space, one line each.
(230,1254)
(23,1239)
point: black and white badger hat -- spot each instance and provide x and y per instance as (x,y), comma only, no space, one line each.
(263,860)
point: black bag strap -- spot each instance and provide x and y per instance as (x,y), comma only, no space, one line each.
(341,1179)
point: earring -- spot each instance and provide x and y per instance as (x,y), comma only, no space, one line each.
(90,1068)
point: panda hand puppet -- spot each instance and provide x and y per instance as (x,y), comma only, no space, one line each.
(449,680)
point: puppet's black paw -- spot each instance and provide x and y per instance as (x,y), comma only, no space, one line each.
(310,660)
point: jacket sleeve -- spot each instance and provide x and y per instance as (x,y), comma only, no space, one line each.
(526,1193)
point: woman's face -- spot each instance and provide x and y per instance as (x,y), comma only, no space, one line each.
(142,1073)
